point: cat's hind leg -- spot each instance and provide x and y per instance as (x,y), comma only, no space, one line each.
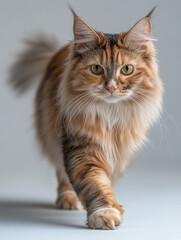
(67,198)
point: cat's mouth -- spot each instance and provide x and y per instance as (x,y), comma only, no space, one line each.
(113,98)
(121,96)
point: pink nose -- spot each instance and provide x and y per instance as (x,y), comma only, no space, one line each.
(111,89)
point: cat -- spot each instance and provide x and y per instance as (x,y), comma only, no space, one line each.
(97,98)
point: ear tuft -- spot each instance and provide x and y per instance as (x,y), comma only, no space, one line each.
(71,9)
(151,12)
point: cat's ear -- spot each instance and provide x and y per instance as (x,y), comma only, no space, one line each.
(139,35)
(84,35)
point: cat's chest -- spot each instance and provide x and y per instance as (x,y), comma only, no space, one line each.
(118,147)
(118,143)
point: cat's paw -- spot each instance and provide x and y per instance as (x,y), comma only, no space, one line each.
(68,201)
(105,218)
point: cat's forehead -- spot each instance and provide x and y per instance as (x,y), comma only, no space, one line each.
(111,39)
(110,53)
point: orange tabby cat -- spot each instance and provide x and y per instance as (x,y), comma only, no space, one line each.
(97,98)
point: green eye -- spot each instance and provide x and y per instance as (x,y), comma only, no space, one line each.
(127,69)
(97,69)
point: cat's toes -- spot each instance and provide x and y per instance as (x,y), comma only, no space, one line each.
(68,201)
(105,218)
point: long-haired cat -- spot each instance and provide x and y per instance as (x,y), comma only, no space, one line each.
(97,98)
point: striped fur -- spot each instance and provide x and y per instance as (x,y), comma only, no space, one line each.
(89,134)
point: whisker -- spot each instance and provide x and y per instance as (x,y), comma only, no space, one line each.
(173,120)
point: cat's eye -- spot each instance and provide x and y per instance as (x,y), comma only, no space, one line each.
(97,69)
(127,69)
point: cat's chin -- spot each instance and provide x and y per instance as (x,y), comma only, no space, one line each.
(114,99)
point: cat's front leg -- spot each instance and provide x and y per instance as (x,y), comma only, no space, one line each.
(89,176)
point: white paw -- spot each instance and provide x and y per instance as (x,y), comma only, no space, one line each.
(105,218)
(68,200)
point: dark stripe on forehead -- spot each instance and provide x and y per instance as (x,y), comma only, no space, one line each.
(111,39)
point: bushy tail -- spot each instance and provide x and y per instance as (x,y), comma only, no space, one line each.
(32,61)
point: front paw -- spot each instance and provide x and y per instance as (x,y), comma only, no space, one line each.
(68,201)
(105,218)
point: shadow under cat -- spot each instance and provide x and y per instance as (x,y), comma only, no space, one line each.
(22,212)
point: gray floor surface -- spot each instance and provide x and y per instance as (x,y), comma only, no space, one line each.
(151,199)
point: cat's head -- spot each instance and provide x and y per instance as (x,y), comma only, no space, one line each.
(113,67)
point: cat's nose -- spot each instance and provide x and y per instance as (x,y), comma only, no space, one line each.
(111,86)
(111,89)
